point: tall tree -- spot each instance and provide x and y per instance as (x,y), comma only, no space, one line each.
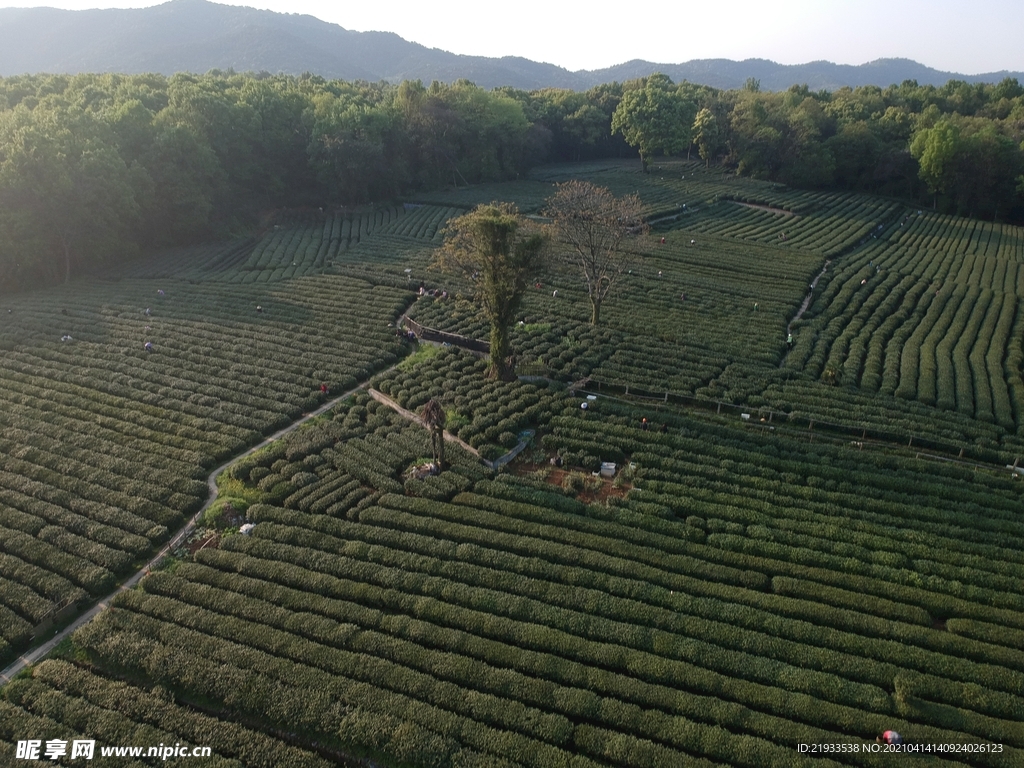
(596,226)
(935,150)
(654,118)
(706,134)
(434,419)
(500,251)
(66,200)
(348,149)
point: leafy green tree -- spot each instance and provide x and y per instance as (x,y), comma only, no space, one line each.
(585,128)
(806,162)
(757,140)
(211,109)
(186,180)
(492,133)
(779,137)
(66,200)
(987,168)
(282,135)
(348,149)
(706,134)
(654,118)
(499,251)
(856,149)
(935,150)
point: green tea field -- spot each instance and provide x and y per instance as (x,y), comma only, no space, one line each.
(742,552)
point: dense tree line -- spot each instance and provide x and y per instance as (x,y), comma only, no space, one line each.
(95,167)
(958,147)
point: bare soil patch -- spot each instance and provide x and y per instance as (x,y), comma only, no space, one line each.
(556,475)
(210,541)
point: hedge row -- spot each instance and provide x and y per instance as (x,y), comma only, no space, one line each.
(520,638)
(704,619)
(472,675)
(589,682)
(747,664)
(310,700)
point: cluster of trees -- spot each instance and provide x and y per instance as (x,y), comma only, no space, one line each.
(500,252)
(959,147)
(93,167)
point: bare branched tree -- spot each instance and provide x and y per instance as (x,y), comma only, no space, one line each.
(597,227)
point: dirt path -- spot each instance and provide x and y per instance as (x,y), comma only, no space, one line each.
(36,653)
(803,306)
(807,299)
(383,399)
(380,397)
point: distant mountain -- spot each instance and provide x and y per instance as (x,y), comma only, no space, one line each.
(818,75)
(197,36)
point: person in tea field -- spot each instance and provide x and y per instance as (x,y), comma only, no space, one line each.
(148,346)
(889,737)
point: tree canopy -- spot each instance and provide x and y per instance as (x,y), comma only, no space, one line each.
(96,167)
(595,226)
(654,118)
(499,252)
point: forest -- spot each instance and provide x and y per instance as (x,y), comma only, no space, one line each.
(98,168)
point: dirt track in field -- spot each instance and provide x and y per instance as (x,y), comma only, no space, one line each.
(36,653)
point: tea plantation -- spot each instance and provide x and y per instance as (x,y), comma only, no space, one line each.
(846,557)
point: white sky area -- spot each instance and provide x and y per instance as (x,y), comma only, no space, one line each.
(964,36)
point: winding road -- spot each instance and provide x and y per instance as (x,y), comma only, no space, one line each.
(36,653)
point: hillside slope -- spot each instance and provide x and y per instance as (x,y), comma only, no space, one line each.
(196,36)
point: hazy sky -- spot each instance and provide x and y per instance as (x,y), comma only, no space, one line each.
(964,36)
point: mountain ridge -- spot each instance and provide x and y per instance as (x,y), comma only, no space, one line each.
(197,36)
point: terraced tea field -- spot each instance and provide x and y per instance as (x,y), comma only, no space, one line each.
(747,595)
(306,244)
(871,322)
(738,588)
(106,445)
(930,310)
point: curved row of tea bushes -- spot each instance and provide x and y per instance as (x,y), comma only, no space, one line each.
(116,713)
